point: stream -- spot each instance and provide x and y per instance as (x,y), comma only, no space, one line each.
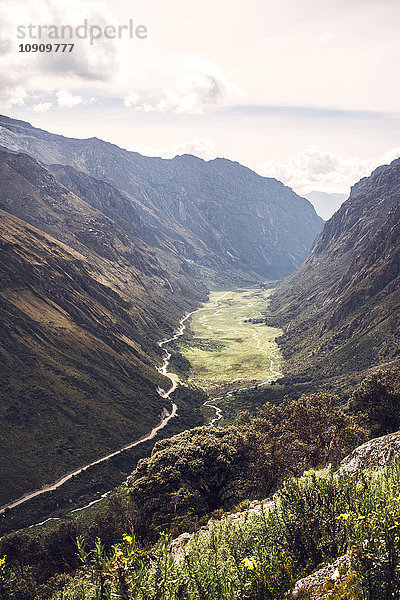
(165,417)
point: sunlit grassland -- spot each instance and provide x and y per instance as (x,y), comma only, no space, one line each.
(224,350)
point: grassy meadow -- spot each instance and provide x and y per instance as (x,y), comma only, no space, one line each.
(224,351)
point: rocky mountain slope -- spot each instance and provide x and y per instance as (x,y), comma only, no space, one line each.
(340,310)
(219,215)
(83,304)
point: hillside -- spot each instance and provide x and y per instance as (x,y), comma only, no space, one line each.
(232,223)
(340,310)
(82,307)
(324,524)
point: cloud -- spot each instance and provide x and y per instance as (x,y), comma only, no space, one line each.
(23,74)
(325,38)
(316,169)
(201,147)
(66,100)
(199,86)
(42,106)
(131,100)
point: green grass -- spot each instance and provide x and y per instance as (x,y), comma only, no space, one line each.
(312,521)
(224,351)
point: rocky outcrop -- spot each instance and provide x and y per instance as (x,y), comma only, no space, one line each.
(320,584)
(376,453)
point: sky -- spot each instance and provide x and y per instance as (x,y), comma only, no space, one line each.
(306,91)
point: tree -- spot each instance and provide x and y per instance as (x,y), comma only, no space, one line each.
(378,396)
(190,474)
(296,435)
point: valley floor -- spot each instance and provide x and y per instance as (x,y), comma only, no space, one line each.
(226,350)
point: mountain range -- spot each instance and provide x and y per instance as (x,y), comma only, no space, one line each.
(104,250)
(229,222)
(326,204)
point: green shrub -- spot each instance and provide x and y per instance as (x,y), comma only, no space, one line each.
(307,523)
(378,396)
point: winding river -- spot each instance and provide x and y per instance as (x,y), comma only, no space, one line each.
(165,417)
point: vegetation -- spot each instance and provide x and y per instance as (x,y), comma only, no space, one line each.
(315,517)
(189,476)
(98,479)
(287,438)
(230,346)
(378,397)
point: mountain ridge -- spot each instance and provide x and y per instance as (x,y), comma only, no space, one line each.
(339,311)
(186,199)
(83,305)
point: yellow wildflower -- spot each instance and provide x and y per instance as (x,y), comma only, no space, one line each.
(249,563)
(127,538)
(3,561)
(345,516)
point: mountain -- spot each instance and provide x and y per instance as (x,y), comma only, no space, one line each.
(325,204)
(231,223)
(340,311)
(83,304)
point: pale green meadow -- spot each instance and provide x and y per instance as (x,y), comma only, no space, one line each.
(225,351)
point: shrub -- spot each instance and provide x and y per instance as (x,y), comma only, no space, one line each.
(188,476)
(378,396)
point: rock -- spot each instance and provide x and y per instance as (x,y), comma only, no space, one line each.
(376,453)
(178,545)
(321,583)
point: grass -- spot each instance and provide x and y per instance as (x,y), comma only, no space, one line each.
(313,520)
(224,351)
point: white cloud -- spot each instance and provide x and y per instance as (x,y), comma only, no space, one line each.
(325,38)
(24,74)
(199,86)
(131,100)
(201,147)
(316,169)
(66,100)
(42,106)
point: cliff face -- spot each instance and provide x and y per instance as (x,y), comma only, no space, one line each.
(340,310)
(229,221)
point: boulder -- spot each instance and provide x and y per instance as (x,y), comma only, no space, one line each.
(376,453)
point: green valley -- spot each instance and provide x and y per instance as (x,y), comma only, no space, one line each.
(230,345)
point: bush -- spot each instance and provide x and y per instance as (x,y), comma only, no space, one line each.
(296,435)
(378,396)
(188,476)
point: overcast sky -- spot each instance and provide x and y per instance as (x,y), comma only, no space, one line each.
(303,90)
